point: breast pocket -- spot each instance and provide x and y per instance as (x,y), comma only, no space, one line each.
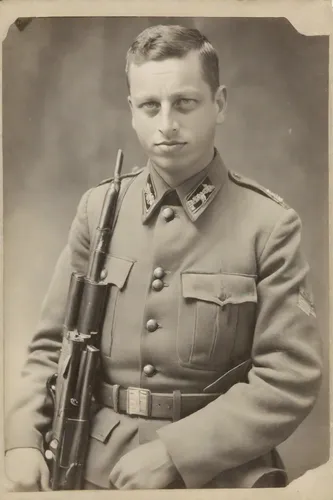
(117,271)
(210,308)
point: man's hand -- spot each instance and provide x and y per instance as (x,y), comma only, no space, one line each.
(26,470)
(147,467)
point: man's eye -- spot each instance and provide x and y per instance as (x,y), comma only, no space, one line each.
(150,105)
(186,102)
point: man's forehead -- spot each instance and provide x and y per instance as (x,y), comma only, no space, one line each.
(180,74)
(189,62)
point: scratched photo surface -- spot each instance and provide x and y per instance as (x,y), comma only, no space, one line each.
(65,115)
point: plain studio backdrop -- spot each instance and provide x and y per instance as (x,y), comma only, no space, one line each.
(65,114)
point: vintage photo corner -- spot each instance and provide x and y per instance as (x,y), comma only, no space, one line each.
(201,292)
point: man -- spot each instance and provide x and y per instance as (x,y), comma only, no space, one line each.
(210,308)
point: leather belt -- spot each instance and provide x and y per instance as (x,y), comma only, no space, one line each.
(144,403)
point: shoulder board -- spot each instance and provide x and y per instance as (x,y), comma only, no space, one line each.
(135,171)
(250,184)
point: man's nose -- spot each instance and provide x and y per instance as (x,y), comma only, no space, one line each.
(168,125)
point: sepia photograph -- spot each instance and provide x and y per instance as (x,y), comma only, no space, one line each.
(166,253)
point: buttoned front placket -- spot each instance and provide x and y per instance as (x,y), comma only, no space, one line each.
(156,232)
(160,315)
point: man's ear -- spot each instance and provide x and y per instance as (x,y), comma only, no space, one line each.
(221,103)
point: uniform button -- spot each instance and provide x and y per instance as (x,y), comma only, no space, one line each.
(149,370)
(48,455)
(159,272)
(152,325)
(104,274)
(54,444)
(157,285)
(168,214)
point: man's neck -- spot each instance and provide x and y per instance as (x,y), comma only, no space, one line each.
(177,177)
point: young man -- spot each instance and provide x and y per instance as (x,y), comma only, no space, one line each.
(209,306)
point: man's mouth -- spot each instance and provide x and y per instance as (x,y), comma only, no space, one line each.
(170,147)
(170,143)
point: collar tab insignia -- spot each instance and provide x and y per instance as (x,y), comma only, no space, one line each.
(199,197)
(149,194)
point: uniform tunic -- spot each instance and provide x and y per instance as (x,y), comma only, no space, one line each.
(209,293)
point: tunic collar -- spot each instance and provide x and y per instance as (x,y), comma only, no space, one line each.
(195,194)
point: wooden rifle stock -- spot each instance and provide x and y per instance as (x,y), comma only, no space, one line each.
(72,389)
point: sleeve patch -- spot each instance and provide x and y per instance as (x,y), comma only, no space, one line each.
(306,303)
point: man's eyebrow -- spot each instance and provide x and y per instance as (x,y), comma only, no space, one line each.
(179,93)
(145,97)
(186,90)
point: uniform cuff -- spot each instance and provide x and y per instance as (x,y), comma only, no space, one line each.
(191,478)
(18,438)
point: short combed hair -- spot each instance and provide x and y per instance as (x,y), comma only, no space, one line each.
(161,42)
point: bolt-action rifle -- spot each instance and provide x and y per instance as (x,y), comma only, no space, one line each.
(72,390)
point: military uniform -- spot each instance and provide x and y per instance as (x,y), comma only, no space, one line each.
(210,314)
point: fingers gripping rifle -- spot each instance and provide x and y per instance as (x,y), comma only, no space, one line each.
(87,295)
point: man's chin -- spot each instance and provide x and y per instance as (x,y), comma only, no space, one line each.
(168,162)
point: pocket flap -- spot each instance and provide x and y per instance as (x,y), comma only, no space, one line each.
(219,288)
(103,424)
(118,270)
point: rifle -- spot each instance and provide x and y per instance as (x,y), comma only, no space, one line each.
(73,395)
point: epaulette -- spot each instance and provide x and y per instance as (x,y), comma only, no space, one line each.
(135,171)
(255,186)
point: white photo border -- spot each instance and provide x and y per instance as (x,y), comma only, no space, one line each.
(309,17)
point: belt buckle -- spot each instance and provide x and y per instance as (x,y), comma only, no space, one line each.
(138,401)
